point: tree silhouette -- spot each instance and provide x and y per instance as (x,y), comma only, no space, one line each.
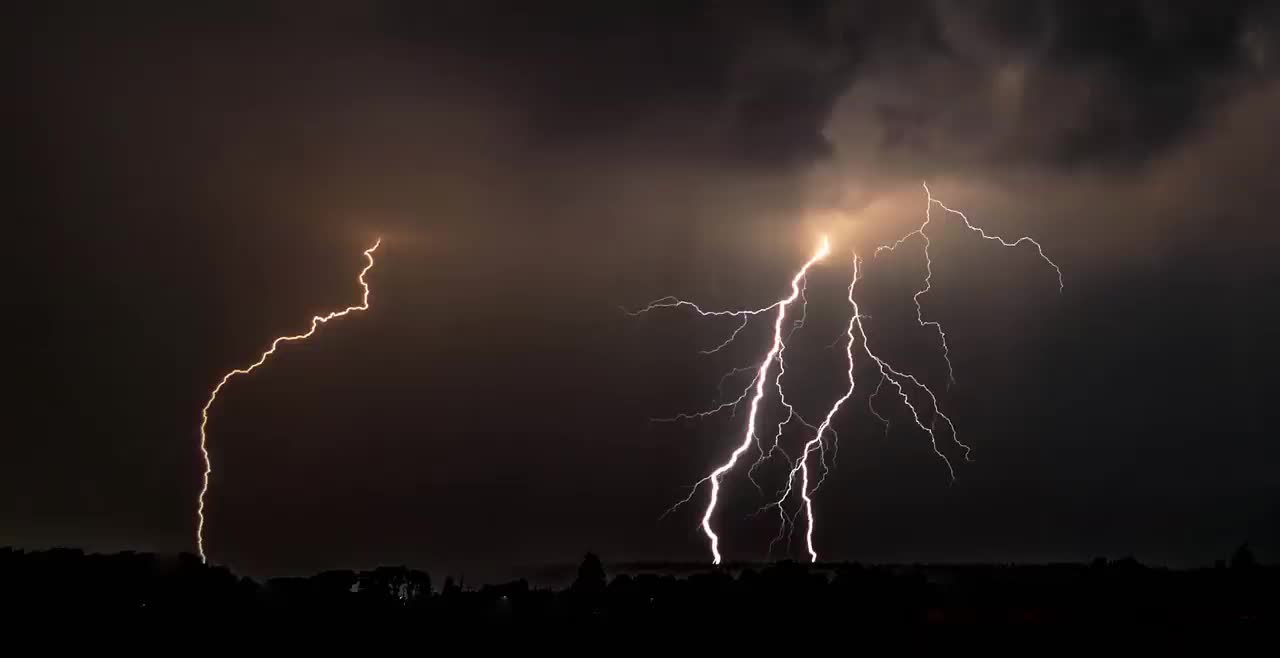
(451,587)
(1243,558)
(1124,591)
(591,576)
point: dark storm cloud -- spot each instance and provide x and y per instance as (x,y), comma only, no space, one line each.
(1151,70)
(1057,84)
(756,82)
(745,83)
(1042,110)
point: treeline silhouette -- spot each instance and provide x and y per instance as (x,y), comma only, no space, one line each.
(1121,591)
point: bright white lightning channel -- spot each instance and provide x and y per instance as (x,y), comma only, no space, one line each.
(758,384)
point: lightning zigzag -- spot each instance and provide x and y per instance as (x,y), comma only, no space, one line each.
(316,321)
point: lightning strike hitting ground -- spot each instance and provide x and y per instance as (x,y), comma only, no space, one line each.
(316,321)
(906,385)
(758,383)
(816,441)
(801,464)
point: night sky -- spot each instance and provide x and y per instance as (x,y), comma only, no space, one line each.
(193,182)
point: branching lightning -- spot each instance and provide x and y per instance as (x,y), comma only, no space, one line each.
(816,441)
(316,321)
(917,398)
(758,384)
(922,231)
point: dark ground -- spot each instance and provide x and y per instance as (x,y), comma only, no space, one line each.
(1238,590)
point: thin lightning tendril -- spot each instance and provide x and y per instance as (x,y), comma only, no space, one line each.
(316,321)
(922,231)
(727,375)
(895,377)
(674,302)
(871,405)
(693,415)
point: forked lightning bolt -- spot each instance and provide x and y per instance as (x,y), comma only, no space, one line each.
(316,321)
(887,373)
(924,410)
(802,463)
(758,383)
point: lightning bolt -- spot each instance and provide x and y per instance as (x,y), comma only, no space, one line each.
(802,463)
(922,231)
(918,399)
(316,321)
(792,414)
(758,384)
(673,302)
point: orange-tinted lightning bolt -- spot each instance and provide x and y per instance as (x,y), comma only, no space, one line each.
(316,321)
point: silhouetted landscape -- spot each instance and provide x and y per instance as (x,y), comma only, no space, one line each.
(1117,591)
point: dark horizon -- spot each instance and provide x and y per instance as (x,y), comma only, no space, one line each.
(1116,593)
(197,179)
(561,574)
